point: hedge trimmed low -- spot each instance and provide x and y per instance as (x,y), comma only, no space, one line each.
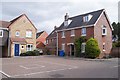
(92,49)
(30,53)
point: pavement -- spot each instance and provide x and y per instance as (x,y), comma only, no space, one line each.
(59,67)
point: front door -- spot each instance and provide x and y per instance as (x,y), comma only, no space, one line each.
(16,49)
(72,50)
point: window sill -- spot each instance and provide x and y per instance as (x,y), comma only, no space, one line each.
(83,35)
(63,37)
(72,35)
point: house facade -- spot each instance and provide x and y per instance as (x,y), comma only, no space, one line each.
(22,34)
(51,41)
(41,39)
(93,24)
(4,39)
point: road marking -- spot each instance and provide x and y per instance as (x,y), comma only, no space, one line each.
(116,66)
(38,66)
(43,72)
(8,76)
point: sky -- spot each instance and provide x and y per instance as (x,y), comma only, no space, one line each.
(47,14)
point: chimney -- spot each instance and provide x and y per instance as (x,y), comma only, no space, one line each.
(66,17)
(55,27)
(66,20)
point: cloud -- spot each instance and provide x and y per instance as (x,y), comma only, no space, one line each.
(45,15)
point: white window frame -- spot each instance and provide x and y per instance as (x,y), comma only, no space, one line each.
(31,47)
(17,33)
(87,18)
(63,46)
(63,34)
(83,47)
(83,32)
(21,47)
(72,33)
(29,34)
(2,33)
(104,28)
(104,47)
(46,41)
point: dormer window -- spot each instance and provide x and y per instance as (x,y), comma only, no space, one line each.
(104,30)
(63,34)
(87,18)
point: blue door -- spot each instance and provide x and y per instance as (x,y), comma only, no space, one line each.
(16,49)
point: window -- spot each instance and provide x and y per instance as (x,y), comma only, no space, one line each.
(87,18)
(104,30)
(29,34)
(17,33)
(103,46)
(83,32)
(83,47)
(46,41)
(1,33)
(63,46)
(63,34)
(22,47)
(72,32)
(29,47)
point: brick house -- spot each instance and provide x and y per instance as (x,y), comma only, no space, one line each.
(41,39)
(93,24)
(51,41)
(22,35)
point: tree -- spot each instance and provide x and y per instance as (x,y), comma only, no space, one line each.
(78,43)
(92,49)
(116,27)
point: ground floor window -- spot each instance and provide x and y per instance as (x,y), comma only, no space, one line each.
(63,46)
(83,47)
(29,47)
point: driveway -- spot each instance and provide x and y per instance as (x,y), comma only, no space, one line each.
(58,67)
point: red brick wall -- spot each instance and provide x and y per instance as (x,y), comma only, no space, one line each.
(69,39)
(98,35)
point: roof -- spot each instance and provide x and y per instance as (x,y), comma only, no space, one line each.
(4,24)
(38,34)
(52,34)
(77,21)
(20,40)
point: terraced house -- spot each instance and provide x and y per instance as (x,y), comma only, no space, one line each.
(93,24)
(22,35)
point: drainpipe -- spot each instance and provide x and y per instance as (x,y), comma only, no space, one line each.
(9,43)
(57,43)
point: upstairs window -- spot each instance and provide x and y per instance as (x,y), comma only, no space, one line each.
(72,32)
(104,30)
(29,34)
(83,32)
(63,34)
(87,18)
(17,33)
(1,33)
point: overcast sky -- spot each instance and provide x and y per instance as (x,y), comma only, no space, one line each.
(45,15)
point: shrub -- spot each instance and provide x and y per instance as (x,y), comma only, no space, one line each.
(78,43)
(92,49)
(30,53)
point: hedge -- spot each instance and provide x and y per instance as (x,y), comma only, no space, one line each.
(30,53)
